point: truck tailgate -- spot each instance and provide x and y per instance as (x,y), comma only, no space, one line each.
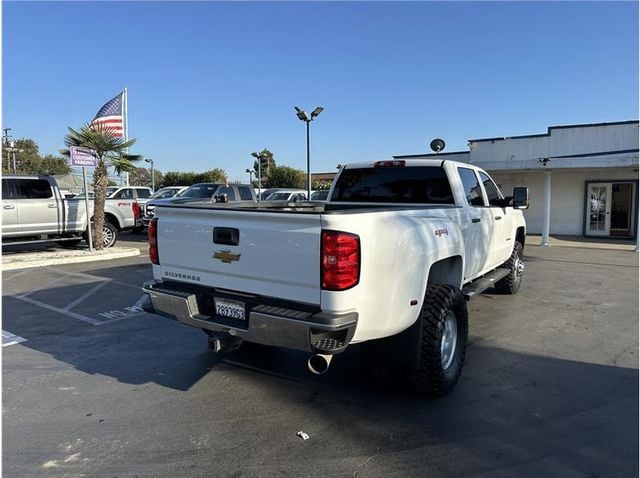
(264,253)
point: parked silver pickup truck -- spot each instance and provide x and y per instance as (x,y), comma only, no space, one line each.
(34,210)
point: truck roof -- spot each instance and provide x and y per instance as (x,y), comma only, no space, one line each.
(407,163)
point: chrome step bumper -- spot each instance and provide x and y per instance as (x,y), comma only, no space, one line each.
(280,326)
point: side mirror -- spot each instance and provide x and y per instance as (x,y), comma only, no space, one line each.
(520,198)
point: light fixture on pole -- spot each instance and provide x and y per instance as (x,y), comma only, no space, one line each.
(153,178)
(250,171)
(302,116)
(258,157)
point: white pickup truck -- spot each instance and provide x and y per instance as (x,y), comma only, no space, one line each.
(34,210)
(387,262)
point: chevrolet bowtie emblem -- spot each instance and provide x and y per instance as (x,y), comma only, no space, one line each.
(226,256)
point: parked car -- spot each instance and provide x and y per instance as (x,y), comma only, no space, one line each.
(167,192)
(288,195)
(320,195)
(266,192)
(203,191)
(163,193)
(138,193)
(387,263)
(34,210)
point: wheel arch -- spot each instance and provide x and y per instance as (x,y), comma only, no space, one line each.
(112,219)
(521,236)
(446,271)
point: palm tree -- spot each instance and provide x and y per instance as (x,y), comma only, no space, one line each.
(111,151)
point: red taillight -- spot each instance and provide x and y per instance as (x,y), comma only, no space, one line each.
(340,260)
(136,209)
(153,241)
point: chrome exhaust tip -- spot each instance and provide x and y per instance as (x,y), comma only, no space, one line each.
(319,363)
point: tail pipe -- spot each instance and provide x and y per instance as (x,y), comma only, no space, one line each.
(319,363)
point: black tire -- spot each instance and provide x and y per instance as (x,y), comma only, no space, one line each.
(69,244)
(109,234)
(438,372)
(511,283)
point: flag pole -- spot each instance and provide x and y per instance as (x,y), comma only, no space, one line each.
(125,112)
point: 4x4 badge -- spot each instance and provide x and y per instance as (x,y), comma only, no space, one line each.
(226,256)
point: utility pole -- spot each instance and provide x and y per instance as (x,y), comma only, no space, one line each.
(6,137)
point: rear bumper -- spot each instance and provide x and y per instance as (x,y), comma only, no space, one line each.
(269,321)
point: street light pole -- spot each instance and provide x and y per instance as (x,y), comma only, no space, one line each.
(302,116)
(258,157)
(153,178)
(250,171)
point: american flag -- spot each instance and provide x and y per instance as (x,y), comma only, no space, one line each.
(110,115)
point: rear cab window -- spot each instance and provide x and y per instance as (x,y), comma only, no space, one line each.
(32,189)
(245,193)
(143,193)
(398,184)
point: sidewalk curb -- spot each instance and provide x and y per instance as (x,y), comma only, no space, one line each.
(42,259)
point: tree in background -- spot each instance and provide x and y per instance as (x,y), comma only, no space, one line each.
(267,163)
(29,161)
(318,184)
(178,178)
(142,177)
(286,177)
(111,153)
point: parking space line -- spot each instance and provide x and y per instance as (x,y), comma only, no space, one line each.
(42,287)
(11,339)
(89,276)
(85,295)
(59,310)
(128,316)
(12,276)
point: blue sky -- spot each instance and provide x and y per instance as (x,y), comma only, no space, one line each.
(210,82)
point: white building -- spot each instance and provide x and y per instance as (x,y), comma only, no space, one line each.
(582,179)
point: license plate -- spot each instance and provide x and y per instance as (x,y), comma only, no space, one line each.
(230,309)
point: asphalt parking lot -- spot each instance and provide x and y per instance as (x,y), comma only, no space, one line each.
(94,386)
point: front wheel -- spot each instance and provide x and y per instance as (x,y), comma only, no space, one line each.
(511,283)
(444,324)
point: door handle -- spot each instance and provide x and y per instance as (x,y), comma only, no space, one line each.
(52,206)
(497,218)
(475,219)
(9,206)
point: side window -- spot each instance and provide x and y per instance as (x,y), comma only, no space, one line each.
(471,187)
(143,193)
(245,193)
(7,189)
(493,193)
(33,189)
(124,194)
(228,190)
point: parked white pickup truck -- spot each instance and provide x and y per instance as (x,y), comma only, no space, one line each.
(387,262)
(34,210)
